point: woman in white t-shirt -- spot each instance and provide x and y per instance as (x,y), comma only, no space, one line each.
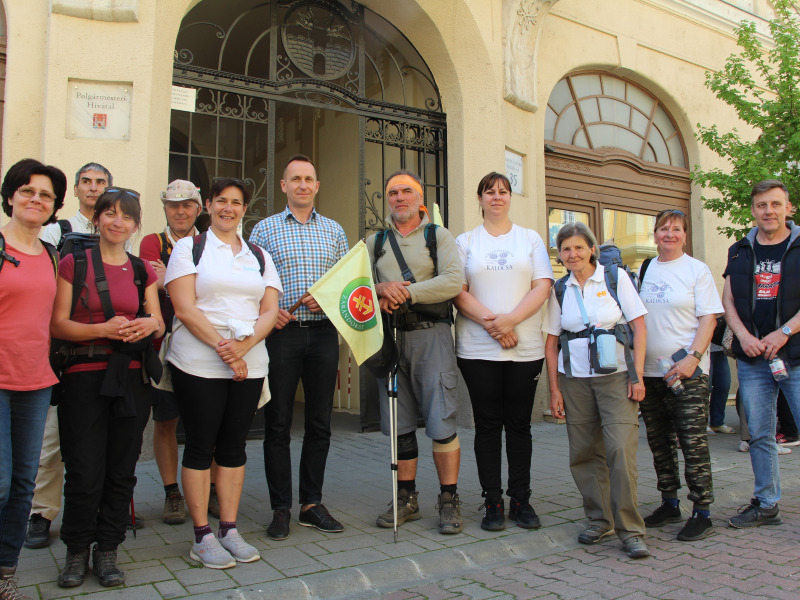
(507,279)
(682,307)
(601,408)
(224,307)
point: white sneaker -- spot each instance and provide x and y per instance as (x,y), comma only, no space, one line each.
(211,553)
(238,548)
(744,446)
(784,450)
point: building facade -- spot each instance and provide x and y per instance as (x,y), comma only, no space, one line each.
(591,105)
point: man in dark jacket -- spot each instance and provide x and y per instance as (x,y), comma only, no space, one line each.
(762,310)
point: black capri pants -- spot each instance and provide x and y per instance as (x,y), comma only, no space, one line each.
(217,414)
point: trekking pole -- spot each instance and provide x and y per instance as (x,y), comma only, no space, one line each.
(133,519)
(391,385)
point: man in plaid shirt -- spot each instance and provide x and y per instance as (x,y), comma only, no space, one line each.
(304,345)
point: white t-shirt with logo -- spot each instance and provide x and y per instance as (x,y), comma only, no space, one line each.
(499,271)
(603,312)
(676,293)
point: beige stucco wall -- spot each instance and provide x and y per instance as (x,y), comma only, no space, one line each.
(664,45)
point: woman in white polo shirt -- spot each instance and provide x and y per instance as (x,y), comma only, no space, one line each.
(225,306)
(601,409)
(682,308)
(507,279)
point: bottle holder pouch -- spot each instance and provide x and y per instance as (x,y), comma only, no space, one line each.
(603,351)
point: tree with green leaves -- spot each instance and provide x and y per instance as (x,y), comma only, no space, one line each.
(762,84)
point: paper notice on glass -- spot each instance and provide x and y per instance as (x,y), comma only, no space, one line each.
(183,98)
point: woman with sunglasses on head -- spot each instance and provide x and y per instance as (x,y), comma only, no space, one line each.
(507,279)
(105,396)
(31,193)
(226,303)
(682,308)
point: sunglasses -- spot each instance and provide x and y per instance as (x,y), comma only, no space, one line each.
(670,211)
(118,191)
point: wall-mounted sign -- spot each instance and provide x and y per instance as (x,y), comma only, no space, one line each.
(514,171)
(183,98)
(99,110)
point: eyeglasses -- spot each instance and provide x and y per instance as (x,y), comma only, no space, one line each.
(118,191)
(670,211)
(29,192)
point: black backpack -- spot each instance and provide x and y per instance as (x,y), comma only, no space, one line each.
(199,245)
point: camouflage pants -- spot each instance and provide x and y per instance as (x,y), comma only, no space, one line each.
(667,417)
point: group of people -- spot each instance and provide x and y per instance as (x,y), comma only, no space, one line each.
(220,297)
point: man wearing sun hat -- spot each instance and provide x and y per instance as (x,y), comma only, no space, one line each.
(182,205)
(419,292)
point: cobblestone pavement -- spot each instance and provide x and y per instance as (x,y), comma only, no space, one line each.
(363,561)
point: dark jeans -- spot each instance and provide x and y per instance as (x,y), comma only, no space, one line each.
(100,453)
(502,394)
(786,424)
(22,418)
(216,414)
(310,354)
(668,417)
(720,381)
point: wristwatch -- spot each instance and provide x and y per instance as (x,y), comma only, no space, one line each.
(786,330)
(696,354)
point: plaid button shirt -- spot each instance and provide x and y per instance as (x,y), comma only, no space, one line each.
(302,252)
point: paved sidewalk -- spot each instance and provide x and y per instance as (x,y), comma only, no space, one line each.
(363,562)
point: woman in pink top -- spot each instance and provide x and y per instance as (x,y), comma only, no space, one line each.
(32,193)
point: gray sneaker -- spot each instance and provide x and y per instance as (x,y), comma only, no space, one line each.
(211,553)
(449,513)
(754,515)
(634,547)
(407,510)
(593,534)
(238,548)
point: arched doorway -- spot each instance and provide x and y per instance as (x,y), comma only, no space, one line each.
(332,80)
(613,159)
(329,79)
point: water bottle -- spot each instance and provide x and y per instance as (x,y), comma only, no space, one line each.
(778,368)
(675,384)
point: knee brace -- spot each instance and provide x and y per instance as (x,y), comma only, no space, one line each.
(407,448)
(448,444)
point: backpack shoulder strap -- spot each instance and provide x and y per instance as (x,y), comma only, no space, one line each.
(65,226)
(139,279)
(259,254)
(559,287)
(198,245)
(165,247)
(611,276)
(5,256)
(102,284)
(53,253)
(78,277)
(401,261)
(643,270)
(430,242)
(380,240)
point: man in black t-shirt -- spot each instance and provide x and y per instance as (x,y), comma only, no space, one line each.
(763,311)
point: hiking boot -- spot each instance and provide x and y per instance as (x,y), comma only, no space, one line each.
(522,513)
(75,568)
(104,565)
(635,547)
(753,515)
(407,510)
(319,517)
(494,515)
(213,503)
(139,521)
(174,509)
(279,528)
(240,550)
(666,513)
(38,534)
(449,513)
(696,528)
(593,534)
(8,585)
(211,553)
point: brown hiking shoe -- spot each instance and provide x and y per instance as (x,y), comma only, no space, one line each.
(449,513)
(407,510)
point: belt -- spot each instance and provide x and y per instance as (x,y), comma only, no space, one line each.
(311,324)
(417,326)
